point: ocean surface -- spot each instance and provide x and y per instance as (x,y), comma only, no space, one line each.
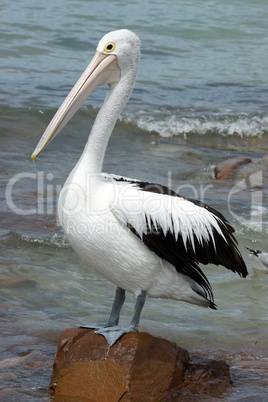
(201,97)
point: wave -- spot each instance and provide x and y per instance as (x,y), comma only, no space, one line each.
(186,125)
(13,238)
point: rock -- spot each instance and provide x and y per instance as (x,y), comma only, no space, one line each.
(139,367)
(226,169)
(16,282)
(207,376)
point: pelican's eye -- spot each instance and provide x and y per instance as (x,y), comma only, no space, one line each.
(109,47)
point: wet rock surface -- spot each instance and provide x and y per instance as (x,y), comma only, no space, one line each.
(225,170)
(139,367)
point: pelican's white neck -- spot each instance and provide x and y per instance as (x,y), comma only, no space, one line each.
(92,157)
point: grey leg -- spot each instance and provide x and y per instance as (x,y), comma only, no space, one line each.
(117,305)
(137,311)
(113,333)
(115,313)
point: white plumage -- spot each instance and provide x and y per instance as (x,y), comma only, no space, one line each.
(143,237)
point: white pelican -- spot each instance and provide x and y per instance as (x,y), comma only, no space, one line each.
(259,258)
(143,237)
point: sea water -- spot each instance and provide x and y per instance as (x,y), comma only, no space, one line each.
(200,98)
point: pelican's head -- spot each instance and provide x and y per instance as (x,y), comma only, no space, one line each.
(125,45)
(117,54)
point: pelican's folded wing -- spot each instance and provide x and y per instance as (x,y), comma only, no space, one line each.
(182,231)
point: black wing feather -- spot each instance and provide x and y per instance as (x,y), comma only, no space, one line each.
(185,258)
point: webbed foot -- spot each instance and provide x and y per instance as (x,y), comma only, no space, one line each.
(112,334)
(93,326)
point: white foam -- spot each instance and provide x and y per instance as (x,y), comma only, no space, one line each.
(168,125)
(55,240)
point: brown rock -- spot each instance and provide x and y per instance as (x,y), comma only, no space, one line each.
(16,282)
(138,367)
(207,376)
(226,169)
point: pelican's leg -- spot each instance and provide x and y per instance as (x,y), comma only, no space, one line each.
(115,313)
(113,333)
(137,311)
(117,305)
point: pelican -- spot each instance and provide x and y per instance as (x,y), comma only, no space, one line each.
(259,258)
(143,237)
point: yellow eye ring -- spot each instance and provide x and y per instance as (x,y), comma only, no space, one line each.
(109,47)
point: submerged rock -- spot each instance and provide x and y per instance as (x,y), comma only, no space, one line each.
(139,367)
(9,282)
(226,169)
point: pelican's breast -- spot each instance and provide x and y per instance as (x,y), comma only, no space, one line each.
(104,243)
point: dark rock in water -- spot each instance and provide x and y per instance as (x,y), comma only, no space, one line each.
(16,282)
(138,367)
(207,377)
(226,169)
